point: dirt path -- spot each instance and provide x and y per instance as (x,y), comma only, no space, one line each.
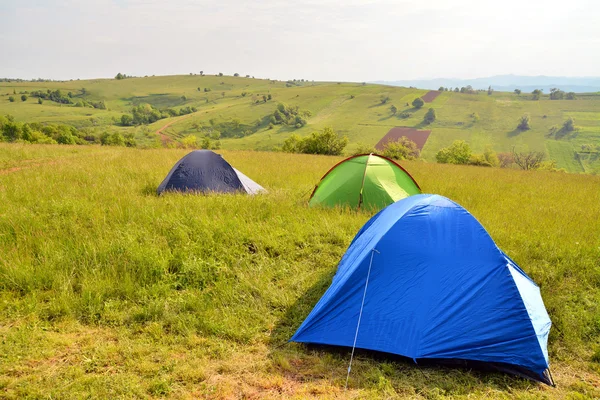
(164,137)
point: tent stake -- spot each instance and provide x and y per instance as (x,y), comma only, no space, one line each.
(359,317)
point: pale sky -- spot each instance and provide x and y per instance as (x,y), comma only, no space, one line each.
(350,40)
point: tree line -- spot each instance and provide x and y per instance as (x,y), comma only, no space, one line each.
(35,132)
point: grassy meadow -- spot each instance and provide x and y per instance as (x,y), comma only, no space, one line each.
(352,109)
(108,291)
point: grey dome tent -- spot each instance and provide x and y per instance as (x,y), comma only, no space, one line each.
(206,171)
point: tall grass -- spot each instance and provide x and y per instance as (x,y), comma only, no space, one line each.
(108,290)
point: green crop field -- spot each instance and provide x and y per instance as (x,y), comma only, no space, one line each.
(108,291)
(352,109)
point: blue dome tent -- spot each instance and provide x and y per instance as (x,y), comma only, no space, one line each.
(206,171)
(424,280)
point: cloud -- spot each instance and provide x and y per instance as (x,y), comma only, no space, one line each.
(314,39)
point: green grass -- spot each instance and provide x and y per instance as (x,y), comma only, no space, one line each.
(362,118)
(107,290)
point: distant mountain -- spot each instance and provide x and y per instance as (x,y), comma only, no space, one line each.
(508,83)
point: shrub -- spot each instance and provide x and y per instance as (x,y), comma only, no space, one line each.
(11,99)
(405,115)
(393,109)
(325,142)
(402,149)
(363,148)
(569,125)
(418,102)
(40,101)
(458,153)
(126,120)
(24,97)
(524,123)
(429,116)
(528,160)
(189,141)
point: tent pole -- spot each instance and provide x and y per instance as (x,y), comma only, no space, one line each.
(362,185)
(359,317)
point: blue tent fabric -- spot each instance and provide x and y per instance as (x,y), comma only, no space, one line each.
(206,171)
(439,288)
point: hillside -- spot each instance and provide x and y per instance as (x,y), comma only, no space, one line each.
(108,291)
(235,108)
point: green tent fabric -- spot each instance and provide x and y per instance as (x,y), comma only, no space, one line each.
(364,181)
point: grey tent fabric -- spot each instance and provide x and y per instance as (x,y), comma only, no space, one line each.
(250,186)
(206,171)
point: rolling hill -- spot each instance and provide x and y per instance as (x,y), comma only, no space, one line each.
(234,107)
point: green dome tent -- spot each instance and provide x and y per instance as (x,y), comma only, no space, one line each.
(364,181)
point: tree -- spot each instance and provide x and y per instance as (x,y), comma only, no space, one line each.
(556,94)
(120,76)
(528,160)
(393,109)
(441,89)
(490,90)
(384,99)
(184,98)
(264,98)
(524,123)
(517,91)
(569,125)
(401,149)
(220,74)
(269,97)
(536,94)
(40,101)
(11,99)
(236,74)
(201,73)
(24,97)
(571,96)
(429,116)
(458,153)
(418,102)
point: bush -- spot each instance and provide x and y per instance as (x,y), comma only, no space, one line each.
(458,153)
(24,97)
(405,115)
(569,125)
(418,102)
(524,123)
(189,141)
(11,99)
(429,116)
(325,142)
(402,149)
(363,148)
(505,159)
(126,120)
